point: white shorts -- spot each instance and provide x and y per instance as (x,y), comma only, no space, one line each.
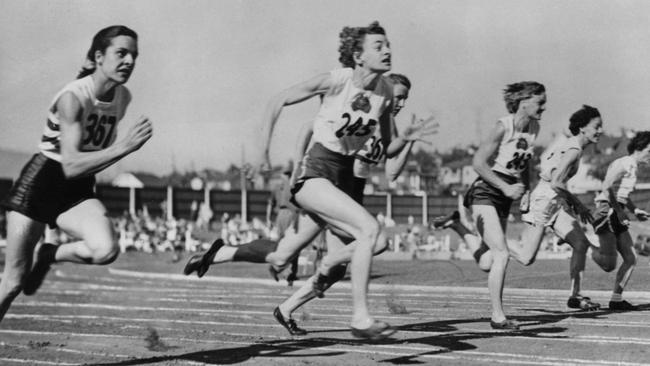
(548,210)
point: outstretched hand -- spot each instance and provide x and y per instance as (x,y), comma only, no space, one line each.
(140,132)
(418,129)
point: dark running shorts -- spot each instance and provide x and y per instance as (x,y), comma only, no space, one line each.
(319,162)
(606,220)
(482,193)
(42,192)
(358,186)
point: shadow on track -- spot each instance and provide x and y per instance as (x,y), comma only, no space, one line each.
(441,344)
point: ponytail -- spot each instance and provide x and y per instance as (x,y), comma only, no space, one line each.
(101,41)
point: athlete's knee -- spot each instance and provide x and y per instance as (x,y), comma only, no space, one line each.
(105,254)
(382,244)
(629,259)
(500,255)
(607,263)
(527,261)
(369,231)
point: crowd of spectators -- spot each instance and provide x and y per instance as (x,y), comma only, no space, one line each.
(145,233)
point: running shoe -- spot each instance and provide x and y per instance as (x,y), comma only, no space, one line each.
(378,330)
(40,269)
(201,262)
(504,325)
(582,303)
(622,305)
(288,324)
(444,222)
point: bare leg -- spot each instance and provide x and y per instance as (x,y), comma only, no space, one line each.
(89,222)
(607,254)
(321,198)
(492,230)
(294,241)
(625,247)
(22,235)
(340,253)
(526,251)
(306,293)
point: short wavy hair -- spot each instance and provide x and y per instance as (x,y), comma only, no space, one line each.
(352,41)
(400,79)
(513,94)
(639,142)
(581,118)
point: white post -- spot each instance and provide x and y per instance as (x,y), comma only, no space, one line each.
(425,209)
(132,201)
(389,206)
(244,204)
(170,204)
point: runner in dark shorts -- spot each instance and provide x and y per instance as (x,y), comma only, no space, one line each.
(56,186)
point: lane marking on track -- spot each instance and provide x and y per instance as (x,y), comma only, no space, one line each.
(35,362)
(500,357)
(523,336)
(445,289)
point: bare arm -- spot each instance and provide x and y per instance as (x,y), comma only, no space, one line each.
(295,94)
(615,173)
(77,163)
(483,169)
(304,138)
(417,130)
(560,175)
(559,179)
(395,165)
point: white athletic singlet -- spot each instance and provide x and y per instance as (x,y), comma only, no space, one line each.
(371,154)
(98,120)
(551,159)
(516,147)
(626,184)
(349,116)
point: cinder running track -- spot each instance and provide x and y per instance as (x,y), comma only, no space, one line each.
(124,317)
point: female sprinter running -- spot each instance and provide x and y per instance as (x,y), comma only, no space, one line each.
(611,223)
(497,186)
(55,188)
(553,206)
(334,264)
(356,101)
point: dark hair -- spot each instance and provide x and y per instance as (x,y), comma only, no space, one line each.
(101,41)
(400,79)
(639,142)
(515,93)
(581,118)
(352,41)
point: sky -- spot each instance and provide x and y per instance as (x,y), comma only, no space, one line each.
(207,69)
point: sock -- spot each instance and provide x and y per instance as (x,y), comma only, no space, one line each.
(616,297)
(255,251)
(460,229)
(47,253)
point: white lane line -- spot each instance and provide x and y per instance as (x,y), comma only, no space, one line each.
(568,318)
(68,350)
(444,289)
(34,362)
(523,336)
